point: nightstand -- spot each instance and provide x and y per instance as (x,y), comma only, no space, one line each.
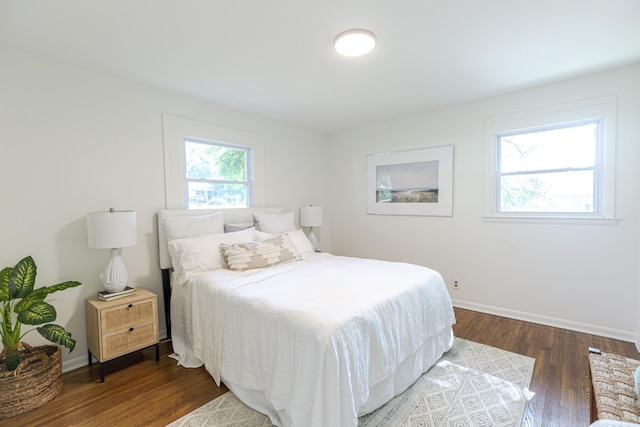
(121,326)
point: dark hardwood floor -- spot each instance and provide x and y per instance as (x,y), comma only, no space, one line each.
(560,378)
(138,391)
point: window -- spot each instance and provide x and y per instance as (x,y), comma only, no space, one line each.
(217,174)
(210,166)
(549,169)
(551,164)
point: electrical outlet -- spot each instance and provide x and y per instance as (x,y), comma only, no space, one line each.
(456,285)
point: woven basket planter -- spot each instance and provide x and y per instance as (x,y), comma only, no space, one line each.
(36,381)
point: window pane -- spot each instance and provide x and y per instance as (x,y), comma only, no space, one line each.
(548,192)
(215,162)
(570,147)
(207,195)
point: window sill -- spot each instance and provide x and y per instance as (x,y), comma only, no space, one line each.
(563,220)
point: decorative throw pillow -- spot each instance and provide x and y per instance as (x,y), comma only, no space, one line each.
(260,254)
(301,242)
(275,223)
(182,227)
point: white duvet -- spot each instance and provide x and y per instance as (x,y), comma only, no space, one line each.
(312,336)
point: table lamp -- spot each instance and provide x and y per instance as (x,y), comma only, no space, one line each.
(112,230)
(311,216)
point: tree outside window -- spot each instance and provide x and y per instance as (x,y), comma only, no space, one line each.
(217,174)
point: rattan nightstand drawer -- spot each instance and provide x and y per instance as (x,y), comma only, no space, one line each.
(122,342)
(127,314)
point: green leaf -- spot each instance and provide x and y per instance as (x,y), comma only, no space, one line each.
(40,294)
(38,313)
(57,334)
(7,326)
(22,278)
(4,284)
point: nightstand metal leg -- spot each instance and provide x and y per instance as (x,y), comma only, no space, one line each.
(101,372)
(157,352)
(90,360)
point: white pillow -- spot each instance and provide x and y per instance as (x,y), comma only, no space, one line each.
(275,223)
(181,227)
(301,242)
(260,254)
(195,254)
(261,235)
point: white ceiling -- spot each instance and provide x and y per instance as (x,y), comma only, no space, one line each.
(274,57)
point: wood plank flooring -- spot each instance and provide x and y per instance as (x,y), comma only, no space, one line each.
(560,378)
(138,391)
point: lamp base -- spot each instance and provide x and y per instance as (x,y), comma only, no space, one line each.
(115,277)
(313,239)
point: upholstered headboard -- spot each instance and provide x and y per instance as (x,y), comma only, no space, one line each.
(230,216)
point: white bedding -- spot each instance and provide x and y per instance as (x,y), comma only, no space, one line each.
(312,337)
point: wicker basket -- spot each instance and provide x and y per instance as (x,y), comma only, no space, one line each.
(614,389)
(36,381)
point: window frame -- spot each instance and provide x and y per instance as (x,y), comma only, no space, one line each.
(177,129)
(602,110)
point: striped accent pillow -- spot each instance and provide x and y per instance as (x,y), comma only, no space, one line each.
(260,254)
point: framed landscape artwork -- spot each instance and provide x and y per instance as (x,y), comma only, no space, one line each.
(413,182)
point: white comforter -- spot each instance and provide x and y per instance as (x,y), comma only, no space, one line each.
(313,336)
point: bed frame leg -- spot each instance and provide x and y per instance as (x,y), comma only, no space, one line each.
(166,290)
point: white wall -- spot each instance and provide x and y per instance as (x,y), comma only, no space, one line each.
(74,141)
(574,276)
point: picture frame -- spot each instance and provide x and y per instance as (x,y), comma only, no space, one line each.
(412,182)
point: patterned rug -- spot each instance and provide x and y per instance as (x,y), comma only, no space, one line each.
(471,385)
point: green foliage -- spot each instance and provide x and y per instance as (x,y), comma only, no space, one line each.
(4,283)
(522,193)
(18,295)
(231,163)
(57,334)
(215,162)
(218,174)
(37,313)
(22,278)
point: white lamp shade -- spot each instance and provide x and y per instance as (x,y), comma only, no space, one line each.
(310,216)
(108,230)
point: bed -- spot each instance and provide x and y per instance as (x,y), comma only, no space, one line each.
(310,339)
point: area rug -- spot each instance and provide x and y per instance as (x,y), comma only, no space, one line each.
(471,385)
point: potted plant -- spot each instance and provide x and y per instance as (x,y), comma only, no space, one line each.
(23,305)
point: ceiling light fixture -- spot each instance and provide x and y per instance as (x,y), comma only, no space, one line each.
(354,42)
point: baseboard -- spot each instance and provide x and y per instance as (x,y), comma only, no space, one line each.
(81,360)
(75,363)
(587,328)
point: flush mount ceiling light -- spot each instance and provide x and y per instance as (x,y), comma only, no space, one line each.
(354,42)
